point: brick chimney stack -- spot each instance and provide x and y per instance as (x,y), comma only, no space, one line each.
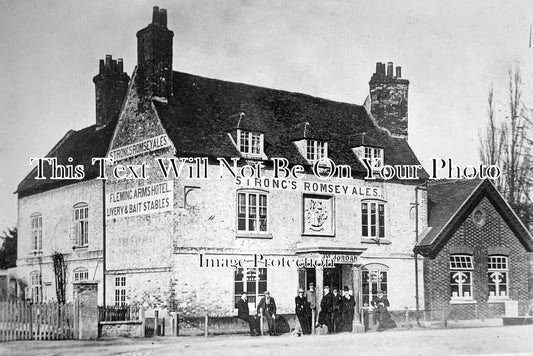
(154,56)
(388,99)
(111,84)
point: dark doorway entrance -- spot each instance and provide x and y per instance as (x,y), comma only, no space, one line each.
(310,277)
(333,277)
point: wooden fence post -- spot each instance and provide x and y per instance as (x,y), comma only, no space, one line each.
(261,320)
(312,321)
(143,325)
(206,322)
(156,323)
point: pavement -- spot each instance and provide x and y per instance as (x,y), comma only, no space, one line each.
(499,340)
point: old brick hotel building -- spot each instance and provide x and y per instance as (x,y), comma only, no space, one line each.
(187,244)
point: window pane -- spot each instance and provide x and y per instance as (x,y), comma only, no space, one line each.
(364,217)
(263,212)
(239,287)
(310,150)
(252,212)
(381,220)
(256,143)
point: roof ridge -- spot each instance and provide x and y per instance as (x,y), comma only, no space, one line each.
(273,89)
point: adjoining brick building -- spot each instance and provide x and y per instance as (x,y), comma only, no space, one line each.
(475,252)
(142,239)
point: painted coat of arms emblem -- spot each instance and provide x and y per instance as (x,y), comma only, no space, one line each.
(316,215)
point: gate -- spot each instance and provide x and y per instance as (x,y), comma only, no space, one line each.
(40,321)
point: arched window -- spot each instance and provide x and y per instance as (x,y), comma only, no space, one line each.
(80,219)
(498,276)
(375,278)
(36,287)
(81,274)
(461,268)
(36,232)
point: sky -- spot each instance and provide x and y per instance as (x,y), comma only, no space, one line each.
(451,51)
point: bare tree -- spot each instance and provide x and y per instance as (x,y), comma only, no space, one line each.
(492,139)
(60,271)
(505,143)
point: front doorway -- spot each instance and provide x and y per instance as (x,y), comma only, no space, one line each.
(332,277)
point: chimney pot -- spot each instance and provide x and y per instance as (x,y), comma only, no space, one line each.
(378,67)
(108,61)
(110,89)
(155,15)
(382,69)
(389,69)
(120,64)
(163,17)
(398,72)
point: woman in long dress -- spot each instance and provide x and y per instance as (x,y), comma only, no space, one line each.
(383,317)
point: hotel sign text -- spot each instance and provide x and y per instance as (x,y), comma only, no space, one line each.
(141,200)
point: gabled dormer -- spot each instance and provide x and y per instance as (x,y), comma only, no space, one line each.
(248,136)
(366,148)
(310,146)
(250,143)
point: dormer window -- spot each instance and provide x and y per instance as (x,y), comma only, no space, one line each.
(375,156)
(250,143)
(316,150)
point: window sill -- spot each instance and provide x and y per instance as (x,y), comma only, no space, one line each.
(251,235)
(498,300)
(317,235)
(381,241)
(84,247)
(463,301)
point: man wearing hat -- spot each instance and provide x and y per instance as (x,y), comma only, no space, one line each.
(326,308)
(348,309)
(336,313)
(302,311)
(268,306)
(244,314)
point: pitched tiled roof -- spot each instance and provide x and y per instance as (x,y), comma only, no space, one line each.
(82,146)
(450,203)
(202,112)
(203,109)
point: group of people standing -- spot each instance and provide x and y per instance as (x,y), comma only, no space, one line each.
(336,310)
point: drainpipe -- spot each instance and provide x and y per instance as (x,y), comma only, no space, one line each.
(417,296)
(104,243)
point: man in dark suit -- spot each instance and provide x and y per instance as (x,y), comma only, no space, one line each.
(244,314)
(348,309)
(267,306)
(326,308)
(336,313)
(302,311)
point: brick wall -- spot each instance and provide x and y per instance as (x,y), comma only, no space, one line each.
(494,236)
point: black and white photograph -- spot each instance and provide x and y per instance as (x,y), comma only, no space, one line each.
(266,177)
